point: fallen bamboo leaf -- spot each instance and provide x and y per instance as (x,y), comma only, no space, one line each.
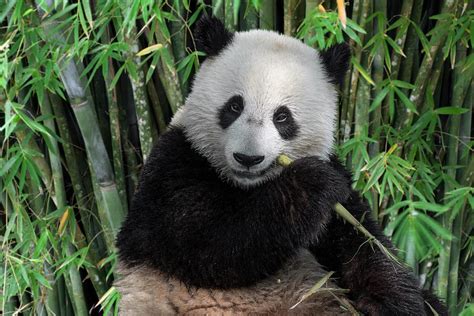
(315,288)
(149,49)
(321,8)
(62,221)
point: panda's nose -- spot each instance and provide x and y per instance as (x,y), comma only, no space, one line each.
(248,161)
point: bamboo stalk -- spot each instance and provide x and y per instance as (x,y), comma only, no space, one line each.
(178,40)
(460,85)
(377,75)
(229,21)
(248,16)
(365,6)
(267,15)
(83,108)
(218,9)
(404,70)
(422,79)
(139,95)
(61,202)
(406,11)
(168,74)
(344,125)
(114,125)
(293,13)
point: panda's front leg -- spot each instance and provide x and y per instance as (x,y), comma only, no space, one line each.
(377,284)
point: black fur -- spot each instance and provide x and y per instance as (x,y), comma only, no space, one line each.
(211,36)
(188,223)
(227,115)
(336,62)
(287,129)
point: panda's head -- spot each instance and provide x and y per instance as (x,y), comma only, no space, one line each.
(258,95)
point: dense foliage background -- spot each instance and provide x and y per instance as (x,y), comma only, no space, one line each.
(86,86)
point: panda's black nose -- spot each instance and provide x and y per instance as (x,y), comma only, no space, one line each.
(248,161)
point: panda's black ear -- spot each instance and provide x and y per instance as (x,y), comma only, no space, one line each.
(335,60)
(211,36)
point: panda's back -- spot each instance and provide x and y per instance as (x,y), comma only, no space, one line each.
(146,291)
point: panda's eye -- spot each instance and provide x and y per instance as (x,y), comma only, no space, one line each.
(236,107)
(281,117)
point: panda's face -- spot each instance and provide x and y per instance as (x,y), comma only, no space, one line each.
(263,95)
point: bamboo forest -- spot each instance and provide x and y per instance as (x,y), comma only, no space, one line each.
(87,87)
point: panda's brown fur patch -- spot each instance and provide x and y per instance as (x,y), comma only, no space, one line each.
(145,291)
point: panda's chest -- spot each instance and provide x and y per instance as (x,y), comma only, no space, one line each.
(146,291)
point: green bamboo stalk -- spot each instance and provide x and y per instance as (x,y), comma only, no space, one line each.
(178,39)
(167,72)
(293,14)
(267,14)
(406,11)
(230,20)
(460,86)
(404,70)
(365,6)
(344,126)
(218,9)
(377,75)
(156,105)
(115,126)
(83,108)
(452,161)
(73,167)
(411,46)
(61,202)
(139,95)
(76,290)
(424,74)
(248,16)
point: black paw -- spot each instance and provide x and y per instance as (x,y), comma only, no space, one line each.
(321,177)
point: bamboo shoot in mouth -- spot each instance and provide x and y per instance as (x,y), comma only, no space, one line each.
(285,161)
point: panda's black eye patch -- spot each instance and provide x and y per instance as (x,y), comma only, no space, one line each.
(285,123)
(230,111)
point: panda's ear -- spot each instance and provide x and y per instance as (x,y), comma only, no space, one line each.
(335,60)
(211,36)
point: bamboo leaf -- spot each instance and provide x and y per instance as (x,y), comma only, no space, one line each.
(150,49)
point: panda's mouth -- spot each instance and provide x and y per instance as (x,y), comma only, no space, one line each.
(251,174)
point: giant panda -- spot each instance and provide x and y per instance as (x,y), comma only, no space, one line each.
(217,227)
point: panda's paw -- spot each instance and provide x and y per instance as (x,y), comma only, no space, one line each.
(397,305)
(322,178)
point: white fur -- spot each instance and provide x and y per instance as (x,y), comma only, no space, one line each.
(268,70)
